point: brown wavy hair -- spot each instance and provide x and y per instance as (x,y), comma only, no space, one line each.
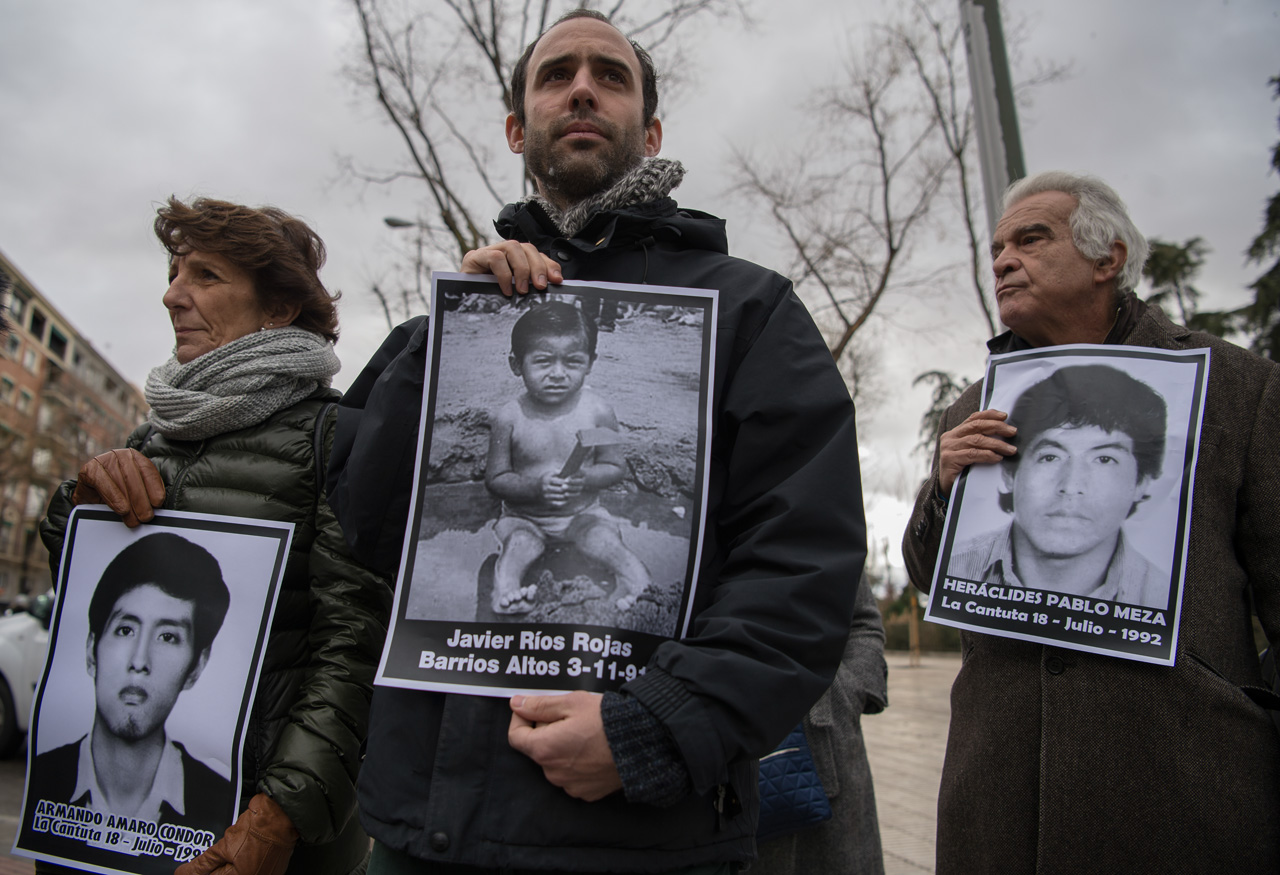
(280,252)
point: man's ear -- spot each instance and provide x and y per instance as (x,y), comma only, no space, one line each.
(1140,494)
(1007,473)
(1108,268)
(515,134)
(514,364)
(91,660)
(193,674)
(652,138)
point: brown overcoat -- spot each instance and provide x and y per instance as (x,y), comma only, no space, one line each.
(1060,761)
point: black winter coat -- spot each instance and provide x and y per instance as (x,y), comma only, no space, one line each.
(782,557)
(311,711)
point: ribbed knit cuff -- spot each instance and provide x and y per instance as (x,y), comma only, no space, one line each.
(646,755)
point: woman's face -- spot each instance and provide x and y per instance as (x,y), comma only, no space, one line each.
(211,302)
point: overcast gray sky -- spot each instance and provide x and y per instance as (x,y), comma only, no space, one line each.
(108,108)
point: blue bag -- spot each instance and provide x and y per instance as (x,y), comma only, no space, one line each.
(791,793)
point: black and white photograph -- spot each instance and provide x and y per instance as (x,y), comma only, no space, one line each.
(1078,538)
(129,767)
(558,517)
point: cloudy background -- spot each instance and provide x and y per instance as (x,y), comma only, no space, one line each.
(107,108)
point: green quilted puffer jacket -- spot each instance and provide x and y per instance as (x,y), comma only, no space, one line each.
(311,713)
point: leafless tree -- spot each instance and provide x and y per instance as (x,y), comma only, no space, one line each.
(936,48)
(440,71)
(897,135)
(849,211)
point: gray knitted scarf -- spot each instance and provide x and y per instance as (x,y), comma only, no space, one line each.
(653,178)
(240,383)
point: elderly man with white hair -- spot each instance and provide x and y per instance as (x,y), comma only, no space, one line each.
(1065,761)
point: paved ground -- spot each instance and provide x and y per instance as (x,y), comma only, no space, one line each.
(12,775)
(905,744)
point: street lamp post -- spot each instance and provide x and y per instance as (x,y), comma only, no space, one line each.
(419,264)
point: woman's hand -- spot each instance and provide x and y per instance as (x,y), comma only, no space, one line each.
(125,481)
(259,843)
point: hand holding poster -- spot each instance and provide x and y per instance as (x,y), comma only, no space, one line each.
(154,653)
(1079,538)
(558,503)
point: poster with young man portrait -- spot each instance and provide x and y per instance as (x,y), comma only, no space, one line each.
(154,654)
(558,515)
(1078,537)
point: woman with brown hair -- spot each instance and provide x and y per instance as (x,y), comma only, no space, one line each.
(241,422)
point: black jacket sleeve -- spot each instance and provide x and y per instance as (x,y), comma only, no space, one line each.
(788,546)
(370,471)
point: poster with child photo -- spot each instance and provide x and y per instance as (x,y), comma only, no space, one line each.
(558,519)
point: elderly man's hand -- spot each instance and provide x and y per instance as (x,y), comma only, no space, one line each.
(565,735)
(980,439)
(515,265)
(125,481)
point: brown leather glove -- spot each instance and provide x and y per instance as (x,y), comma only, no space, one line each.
(125,481)
(259,843)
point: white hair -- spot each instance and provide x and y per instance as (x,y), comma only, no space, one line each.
(1099,219)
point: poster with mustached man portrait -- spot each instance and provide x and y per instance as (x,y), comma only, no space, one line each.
(1078,538)
(139,718)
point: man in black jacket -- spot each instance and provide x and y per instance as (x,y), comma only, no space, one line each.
(660,776)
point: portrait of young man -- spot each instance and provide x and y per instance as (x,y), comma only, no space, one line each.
(153,618)
(1091,441)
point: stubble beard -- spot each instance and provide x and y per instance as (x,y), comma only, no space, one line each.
(567,173)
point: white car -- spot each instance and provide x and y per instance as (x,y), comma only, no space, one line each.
(24,638)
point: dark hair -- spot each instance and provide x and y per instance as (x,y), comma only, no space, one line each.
(280,252)
(1097,395)
(176,567)
(648,78)
(552,319)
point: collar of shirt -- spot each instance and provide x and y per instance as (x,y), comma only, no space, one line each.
(166,786)
(1000,568)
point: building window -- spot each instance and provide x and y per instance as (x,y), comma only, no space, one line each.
(37,498)
(12,345)
(57,343)
(17,306)
(24,401)
(31,361)
(37,324)
(6,390)
(42,460)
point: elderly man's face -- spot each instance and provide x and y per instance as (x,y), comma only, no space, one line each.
(584,111)
(1073,489)
(1045,289)
(145,658)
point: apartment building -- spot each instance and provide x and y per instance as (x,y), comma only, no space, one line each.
(61,402)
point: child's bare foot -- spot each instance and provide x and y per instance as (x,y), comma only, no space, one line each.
(625,602)
(518,601)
